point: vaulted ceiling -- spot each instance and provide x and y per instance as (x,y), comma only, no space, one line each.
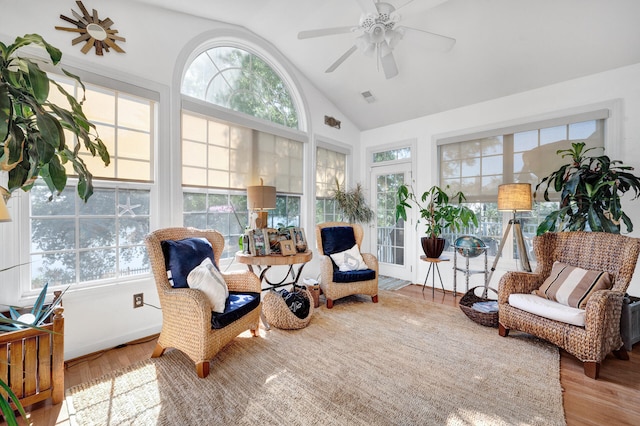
(502,47)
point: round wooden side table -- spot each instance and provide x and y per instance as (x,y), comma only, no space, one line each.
(433,264)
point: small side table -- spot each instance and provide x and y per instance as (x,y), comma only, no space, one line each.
(264,263)
(468,271)
(433,264)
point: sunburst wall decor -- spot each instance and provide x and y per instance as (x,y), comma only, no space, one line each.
(94,32)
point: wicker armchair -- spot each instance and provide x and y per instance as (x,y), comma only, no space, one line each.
(335,290)
(186,312)
(599,251)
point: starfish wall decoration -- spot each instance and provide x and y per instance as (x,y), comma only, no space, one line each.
(95,32)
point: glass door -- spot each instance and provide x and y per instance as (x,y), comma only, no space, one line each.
(392,242)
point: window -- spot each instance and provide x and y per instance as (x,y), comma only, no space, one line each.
(477,166)
(392,155)
(218,154)
(103,239)
(240,81)
(223,153)
(227,213)
(331,166)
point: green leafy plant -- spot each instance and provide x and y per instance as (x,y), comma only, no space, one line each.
(436,209)
(33,144)
(32,128)
(352,203)
(590,190)
(40,313)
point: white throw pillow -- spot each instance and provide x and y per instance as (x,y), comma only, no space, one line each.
(349,260)
(206,278)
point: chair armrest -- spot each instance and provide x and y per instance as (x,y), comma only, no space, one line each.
(242,281)
(517,282)
(178,301)
(370,260)
(326,268)
(603,306)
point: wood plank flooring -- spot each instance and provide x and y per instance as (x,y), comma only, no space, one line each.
(612,399)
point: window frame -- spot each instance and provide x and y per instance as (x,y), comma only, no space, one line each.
(346,151)
(136,88)
(610,112)
(218,113)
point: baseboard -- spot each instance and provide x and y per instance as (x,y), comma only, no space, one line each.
(101,346)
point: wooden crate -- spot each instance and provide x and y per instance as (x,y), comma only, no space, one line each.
(32,361)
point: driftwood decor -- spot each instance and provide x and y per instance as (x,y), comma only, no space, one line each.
(94,32)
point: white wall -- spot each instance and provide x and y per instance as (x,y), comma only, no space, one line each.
(157,45)
(620,86)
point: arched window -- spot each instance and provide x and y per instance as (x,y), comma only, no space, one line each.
(224,152)
(239,80)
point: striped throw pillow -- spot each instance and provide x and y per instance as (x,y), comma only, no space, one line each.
(573,286)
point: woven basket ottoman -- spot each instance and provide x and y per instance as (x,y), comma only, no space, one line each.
(279,315)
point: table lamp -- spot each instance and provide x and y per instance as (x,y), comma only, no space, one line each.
(4,212)
(261,198)
(515,197)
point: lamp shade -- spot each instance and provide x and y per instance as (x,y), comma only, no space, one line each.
(261,197)
(4,212)
(515,197)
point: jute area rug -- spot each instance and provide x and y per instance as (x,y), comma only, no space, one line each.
(397,362)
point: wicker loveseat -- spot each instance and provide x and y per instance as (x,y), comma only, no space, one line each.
(187,313)
(333,287)
(613,253)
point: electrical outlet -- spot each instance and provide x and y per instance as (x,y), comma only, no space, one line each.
(138,300)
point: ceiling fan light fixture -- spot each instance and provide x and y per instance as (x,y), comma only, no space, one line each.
(365,45)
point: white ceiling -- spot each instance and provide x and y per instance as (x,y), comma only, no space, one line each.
(503,47)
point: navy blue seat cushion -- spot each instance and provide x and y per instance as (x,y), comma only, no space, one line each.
(181,256)
(337,239)
(353,276)
(238,305)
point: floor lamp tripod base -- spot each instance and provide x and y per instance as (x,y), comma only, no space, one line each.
(522,248)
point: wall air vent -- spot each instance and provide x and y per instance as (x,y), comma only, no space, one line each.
(368,96)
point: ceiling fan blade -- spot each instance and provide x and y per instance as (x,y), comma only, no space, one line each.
(389,65)
(368,6)
(341,59)
(436,41)
(324,32)
(430,4)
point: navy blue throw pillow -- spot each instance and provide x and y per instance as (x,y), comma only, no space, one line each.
(297,302)
(180,257)
(337,239)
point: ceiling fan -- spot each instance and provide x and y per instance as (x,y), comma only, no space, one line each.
(379,33)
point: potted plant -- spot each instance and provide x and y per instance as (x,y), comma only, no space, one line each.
(352,203)
(32,128)
(591,189)
(438,213)
(33,143)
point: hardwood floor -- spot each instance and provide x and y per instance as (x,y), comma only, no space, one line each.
(613,399)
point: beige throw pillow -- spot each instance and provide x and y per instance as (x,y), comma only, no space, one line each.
(572,286)
(206,278)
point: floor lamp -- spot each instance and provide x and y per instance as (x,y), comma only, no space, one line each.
(261,197)
(515,197)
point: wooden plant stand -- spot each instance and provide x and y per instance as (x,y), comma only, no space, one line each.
(32,361)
